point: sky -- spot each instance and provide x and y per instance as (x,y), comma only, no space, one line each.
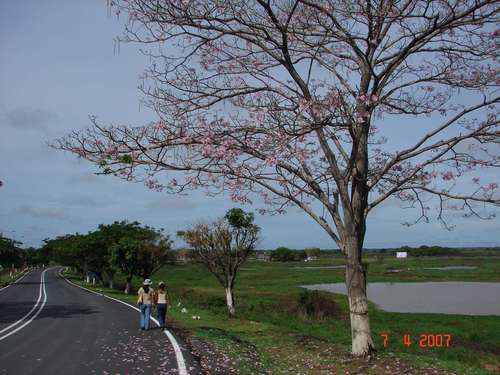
(58,65)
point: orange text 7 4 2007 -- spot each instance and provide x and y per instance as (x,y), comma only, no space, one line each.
(424,340)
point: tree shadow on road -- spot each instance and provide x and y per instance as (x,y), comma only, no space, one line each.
(11,312)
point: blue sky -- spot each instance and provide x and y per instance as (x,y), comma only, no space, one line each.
(58,66)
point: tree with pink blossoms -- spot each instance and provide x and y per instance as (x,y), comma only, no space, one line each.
(294,100)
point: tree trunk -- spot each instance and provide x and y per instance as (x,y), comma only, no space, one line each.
(111,283)
(230,301)
(362,343)
(128,286)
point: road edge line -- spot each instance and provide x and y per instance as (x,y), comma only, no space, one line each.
(36,313)
(181,363)
(40,295)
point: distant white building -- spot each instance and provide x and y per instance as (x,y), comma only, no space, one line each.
(401,254)
(310,259)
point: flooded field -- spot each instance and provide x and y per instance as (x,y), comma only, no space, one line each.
(467,298)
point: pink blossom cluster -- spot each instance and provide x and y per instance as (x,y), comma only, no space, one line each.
(154,184)
(271,161)
(428,176)
(405,196)
(161,125)
(237,188)
(368,99)
(192,182)
(490,187)
(447,176)
(80,152)
(111,150)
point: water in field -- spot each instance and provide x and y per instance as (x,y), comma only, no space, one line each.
(451,268)
(467,298)
(319,267)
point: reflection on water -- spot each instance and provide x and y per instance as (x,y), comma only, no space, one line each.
(467,298)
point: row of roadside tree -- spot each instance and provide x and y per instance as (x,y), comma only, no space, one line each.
(125,248)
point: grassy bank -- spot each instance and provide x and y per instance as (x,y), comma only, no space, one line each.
(273,333)
(6,278)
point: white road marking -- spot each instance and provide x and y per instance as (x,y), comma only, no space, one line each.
(42,288)
(181,363)
(22,277)
(40,293)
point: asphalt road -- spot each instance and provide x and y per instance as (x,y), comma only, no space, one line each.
(48,326)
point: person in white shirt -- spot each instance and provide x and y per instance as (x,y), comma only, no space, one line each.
(162,300)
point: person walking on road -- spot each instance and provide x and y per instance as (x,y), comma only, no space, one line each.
(145,301)
(162,302)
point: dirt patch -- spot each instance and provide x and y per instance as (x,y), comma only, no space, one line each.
(211,360)
(214,361)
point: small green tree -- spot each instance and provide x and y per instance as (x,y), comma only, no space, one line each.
(223,245)
(141,251)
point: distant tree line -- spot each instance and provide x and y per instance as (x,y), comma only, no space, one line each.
(12,255)
(285,254)
(422,251)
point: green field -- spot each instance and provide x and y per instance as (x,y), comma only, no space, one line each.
(270,335)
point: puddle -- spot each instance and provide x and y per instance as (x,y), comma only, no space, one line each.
(320,267)
(466,298)
(447,268)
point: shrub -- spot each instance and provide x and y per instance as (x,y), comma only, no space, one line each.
(313,252)
(314,305)
(300,255)
(283,254)
(203,299)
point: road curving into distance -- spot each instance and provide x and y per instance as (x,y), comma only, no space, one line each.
(49,326)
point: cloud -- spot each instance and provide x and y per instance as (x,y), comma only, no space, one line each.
(30,118)
(169,204)
(86,178)
(42,212)
(81,201)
